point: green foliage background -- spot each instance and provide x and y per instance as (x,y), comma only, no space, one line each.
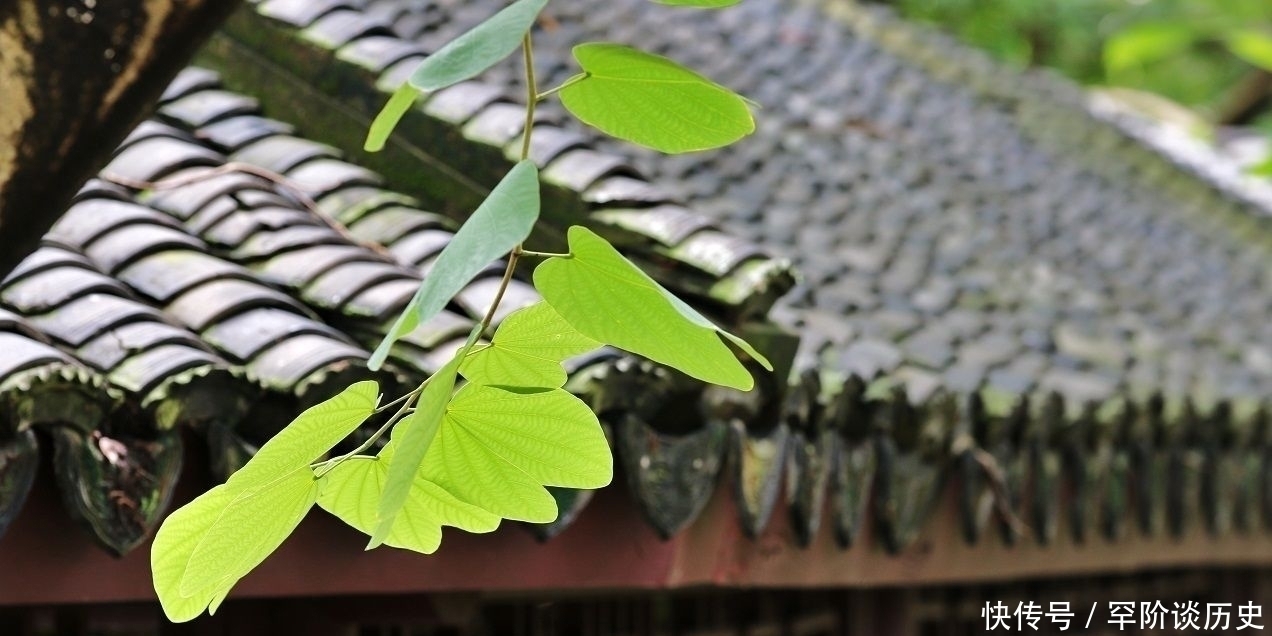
(1195,52)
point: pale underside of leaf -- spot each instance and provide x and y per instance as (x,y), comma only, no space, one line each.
(609,299)
(528,350)
(499,224)
(652,101)
(478,49)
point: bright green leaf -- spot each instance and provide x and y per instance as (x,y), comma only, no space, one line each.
(550,435)
(308,436)
(1146,43)
(174,543)
(527,350)
(247,531)
(389,116)
(219,598)
(479,49)
(608,299)
(352,491)
(500,223)
(1254,47)
(461,464)
(699,4)
(652,101)
(412,438)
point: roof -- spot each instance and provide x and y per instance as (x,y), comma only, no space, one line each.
(996,284)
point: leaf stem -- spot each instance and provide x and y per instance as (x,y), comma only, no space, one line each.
(532,91)
(564,85)
(546,254)
(414,392)
(513,256)
(407,401)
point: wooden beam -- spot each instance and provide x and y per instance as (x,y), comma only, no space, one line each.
(47,559)
(76,76)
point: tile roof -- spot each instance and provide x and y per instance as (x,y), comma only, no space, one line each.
(996,283)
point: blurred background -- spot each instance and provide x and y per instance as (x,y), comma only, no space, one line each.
(1204,64)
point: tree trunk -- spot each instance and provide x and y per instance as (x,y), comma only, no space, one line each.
(75,77)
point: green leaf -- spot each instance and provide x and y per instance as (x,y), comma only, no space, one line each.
(609,299)
(1146,43)
(412,438)
(479,49)
(173,546)
(652,101)
(399,103)
(500,223)
(461,464)
(307,437)
(550,435)
(494,451)
(251,527)
(498,447)
(352,490)
(527,350)
(699,4)
(1254,47)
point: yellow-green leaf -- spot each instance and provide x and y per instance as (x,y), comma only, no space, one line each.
(412,438)
(396,108)
(461,464)
(308,437)
(550,435)
(527,350)
(171,551)
(652,101)
(607,298)
(247,531)
(352,490)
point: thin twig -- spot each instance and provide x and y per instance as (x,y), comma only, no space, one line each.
(390,405)
(513,257)
(407,401)
(532,93)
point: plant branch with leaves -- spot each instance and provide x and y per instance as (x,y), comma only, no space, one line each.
(478,440)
